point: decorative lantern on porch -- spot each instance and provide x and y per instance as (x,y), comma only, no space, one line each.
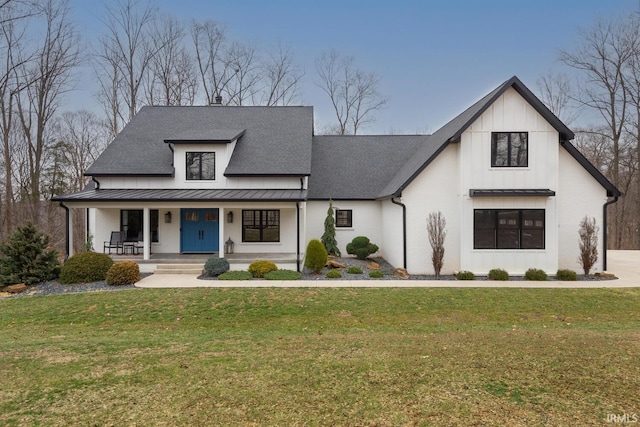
(228,246)
(230,217)
(167,218)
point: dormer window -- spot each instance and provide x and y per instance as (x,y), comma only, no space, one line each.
(509,149)
(201,166)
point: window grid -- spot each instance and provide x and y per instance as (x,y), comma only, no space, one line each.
(201,166)
(344,218)
(509,229)
(509,149)
(260,225)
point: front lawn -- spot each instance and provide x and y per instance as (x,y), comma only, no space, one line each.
(321,357)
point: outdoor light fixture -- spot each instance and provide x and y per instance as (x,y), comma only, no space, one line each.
(167,218)
(228,246)
(230,217)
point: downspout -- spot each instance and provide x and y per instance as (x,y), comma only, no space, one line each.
(298,236)
(604,231)
(66,247)
(404,232)
(93,178)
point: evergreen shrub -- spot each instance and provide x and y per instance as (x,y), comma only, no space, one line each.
(361,247)
(535,274)
(283,275)
(85,267)
(465,275)
(376,274)
(333,274)
(498,274)
(567,275)
(216,266)
(123,273)
(354,270)
(259,268)
(316,256)
(26,257)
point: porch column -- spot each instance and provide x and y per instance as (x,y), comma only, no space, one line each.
(146,233)
(222,218)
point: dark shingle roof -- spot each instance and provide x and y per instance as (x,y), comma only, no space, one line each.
(358,167)
(276,141)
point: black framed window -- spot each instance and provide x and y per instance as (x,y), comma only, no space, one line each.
(201,166)
(260,225)
(509,149)
(508,229)
(344,218)
(131,223)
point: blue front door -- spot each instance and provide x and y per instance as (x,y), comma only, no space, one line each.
(199,230)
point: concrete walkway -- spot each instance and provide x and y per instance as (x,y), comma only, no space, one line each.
(624,264)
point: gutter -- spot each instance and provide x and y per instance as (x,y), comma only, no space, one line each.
(298,236)
(604,231)
(66,246)
(404,232)
(93,178)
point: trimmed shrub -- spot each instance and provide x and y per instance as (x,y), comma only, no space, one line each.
(498,274)
(259,268)
(316,256)
(283,275)
(354,270)
(465,275)
(567,275)
(26,257)
(376,274)
(333,274)
(85,267)
(216,266)
(236,275)
(123,273)
(535,274)
(361,247)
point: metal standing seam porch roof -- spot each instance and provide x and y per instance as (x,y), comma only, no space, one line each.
(183,195)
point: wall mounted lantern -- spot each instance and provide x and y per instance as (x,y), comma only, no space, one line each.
(167,218)
(230,217)
(228,246)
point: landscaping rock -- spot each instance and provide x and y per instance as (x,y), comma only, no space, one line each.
(605,275)
(400,273)
(332,263)
(373,266)
(15,289)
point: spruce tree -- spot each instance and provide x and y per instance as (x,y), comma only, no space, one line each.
(26,257)
(329,237)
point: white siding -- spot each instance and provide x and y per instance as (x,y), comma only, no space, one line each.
(366,216)
(435,189)
(579,194)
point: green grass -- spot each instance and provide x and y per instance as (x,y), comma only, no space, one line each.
(321,357)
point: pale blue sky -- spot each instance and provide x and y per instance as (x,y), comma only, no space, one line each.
(434,57)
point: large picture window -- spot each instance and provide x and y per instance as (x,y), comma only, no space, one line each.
(201,166)
(508,229)
(131,223)
(509,149)
(260,225)
(344,218)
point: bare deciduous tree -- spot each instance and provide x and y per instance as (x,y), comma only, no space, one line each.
(556,93)
(281,78)
(50,73)
(588,245)
(209,41)
(125,55)
(353,93)
(436,224)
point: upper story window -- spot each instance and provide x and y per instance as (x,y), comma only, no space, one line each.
(509,149)
(201,166)
(344,218)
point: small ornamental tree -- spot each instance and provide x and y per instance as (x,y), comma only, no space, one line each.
(329,237)
(588,232)
(435,227)
(361,247)
(26,257)
(316,256)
